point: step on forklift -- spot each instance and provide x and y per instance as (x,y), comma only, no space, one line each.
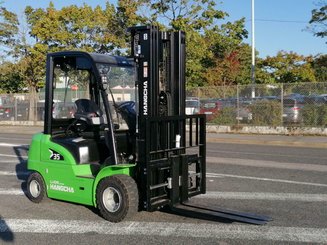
(116,136)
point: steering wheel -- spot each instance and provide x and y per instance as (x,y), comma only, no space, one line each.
(76,128)
(84,116)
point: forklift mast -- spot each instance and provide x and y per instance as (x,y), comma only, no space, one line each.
(171,161)
(160,59)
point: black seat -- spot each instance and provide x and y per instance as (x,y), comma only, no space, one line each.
(86,110)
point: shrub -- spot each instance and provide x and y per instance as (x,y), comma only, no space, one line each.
(225,116)
(266,113)
(314,115)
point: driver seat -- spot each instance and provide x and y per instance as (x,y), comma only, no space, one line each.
(88,111)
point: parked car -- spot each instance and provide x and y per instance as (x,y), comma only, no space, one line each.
(292,110)
(192,106)
(210,108)
(316,100)
(268,97)
(324,96)
(243,112)
(295,96)
(64,110)
(5,113)
(239,108)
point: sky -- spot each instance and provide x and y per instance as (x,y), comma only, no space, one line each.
(279,24)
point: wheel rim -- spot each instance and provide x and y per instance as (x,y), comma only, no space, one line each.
(35,188)
(111,199)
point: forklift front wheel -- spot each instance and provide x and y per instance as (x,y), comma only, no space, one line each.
(35,187)
(117,197)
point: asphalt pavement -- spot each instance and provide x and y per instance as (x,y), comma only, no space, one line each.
(256,139)
(286,183)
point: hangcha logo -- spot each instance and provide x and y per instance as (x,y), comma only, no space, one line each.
(145,98)
(57,186)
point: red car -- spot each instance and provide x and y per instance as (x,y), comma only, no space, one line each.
(210,108)
(4,113)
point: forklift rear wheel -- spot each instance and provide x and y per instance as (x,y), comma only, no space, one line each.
(117,197)
(35,187)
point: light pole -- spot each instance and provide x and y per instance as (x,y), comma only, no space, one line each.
(253,52)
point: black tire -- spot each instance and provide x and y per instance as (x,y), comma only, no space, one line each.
(117,198)
(35,187)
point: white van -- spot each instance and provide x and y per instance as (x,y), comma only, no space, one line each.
(192,106)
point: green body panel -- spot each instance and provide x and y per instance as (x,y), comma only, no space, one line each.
(65,179)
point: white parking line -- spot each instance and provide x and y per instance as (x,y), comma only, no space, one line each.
(213,175)
(11,191)
(12,145)
(263,154)
(209,175)
(219,231)
(11,156)
(268,164)
(298,197)
(9,161)
(13,173)
(16,160)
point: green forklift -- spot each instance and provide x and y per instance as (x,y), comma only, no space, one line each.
(116,136)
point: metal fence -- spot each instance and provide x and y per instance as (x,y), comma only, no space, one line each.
(301,105)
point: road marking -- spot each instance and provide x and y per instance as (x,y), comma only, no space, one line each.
(213,175)
(12,156)
(11,191)
(303,144)
(299,197)
(14,173)
(9,138)
(164,229)
(17,158)
(265,154)
(268,164)
(10,161)
(209,175)
(12,145)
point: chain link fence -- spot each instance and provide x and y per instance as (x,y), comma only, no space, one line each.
(301,105)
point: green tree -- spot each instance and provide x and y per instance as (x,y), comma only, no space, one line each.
(319,64)
(77,28)
(230,59)
(288,68)
(8,31)
(212,48)
(129,13)
(318,20)
(187,15)
(70,28)
(11,80)
(208,43)
(196,18)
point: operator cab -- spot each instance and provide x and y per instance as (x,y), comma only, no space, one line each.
(92,106)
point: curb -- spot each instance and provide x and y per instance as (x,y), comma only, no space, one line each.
(267,130)
(269,142)
(29,128)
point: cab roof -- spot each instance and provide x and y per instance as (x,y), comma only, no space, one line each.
(97,58)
